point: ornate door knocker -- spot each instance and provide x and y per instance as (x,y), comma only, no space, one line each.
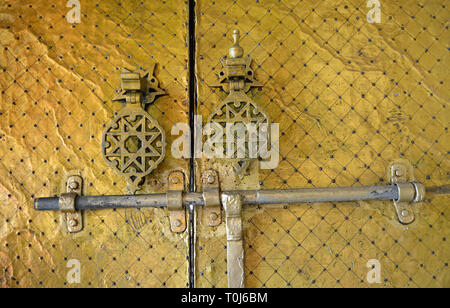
(237,79)
(134,142)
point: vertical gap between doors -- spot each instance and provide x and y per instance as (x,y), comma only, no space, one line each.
(192,114)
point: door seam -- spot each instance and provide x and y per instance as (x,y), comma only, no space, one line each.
(192,92)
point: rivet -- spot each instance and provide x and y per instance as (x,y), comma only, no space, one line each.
(211,179)
(177,223)
(73,185)
(399,172)
(73,223)
(213,216)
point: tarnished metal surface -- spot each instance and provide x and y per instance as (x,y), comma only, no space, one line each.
(350,97)
(57,82)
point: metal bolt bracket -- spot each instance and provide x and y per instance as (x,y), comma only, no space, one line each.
(74,218)
(177,212)
(401,175)
(212,212)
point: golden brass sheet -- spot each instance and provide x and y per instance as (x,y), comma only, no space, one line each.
(350,97)
(58,81)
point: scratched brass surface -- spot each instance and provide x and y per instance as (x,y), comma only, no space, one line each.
(350,98)
(57,82)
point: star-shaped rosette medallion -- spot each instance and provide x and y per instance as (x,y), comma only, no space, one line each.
(134,143)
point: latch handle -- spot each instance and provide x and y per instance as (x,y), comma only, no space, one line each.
(232,204)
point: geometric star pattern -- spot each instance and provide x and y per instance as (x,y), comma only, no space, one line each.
(238,108)
(134,145)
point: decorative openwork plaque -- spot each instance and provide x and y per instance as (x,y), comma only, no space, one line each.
(237,79)
(134,142)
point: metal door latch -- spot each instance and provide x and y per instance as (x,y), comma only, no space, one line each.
(401,174)
(212,199)
(177,211)
(67,201)
(134,142)
(399,191)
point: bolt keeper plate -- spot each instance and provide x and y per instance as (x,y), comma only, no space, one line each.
(74,219)
(212,211)
(177,213)
(401,174)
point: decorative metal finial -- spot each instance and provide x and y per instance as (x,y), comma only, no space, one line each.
(236,51)
(236,66)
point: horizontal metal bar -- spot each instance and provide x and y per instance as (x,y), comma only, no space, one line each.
(250,197)
(117,202)
(438,190)
(307,195)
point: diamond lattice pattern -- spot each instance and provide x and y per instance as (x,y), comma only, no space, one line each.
(350,97)
(57,82)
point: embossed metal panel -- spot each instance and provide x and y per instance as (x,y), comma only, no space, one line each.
(57,83)
(350,97)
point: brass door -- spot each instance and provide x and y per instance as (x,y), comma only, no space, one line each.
(58,80)
(350,97)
